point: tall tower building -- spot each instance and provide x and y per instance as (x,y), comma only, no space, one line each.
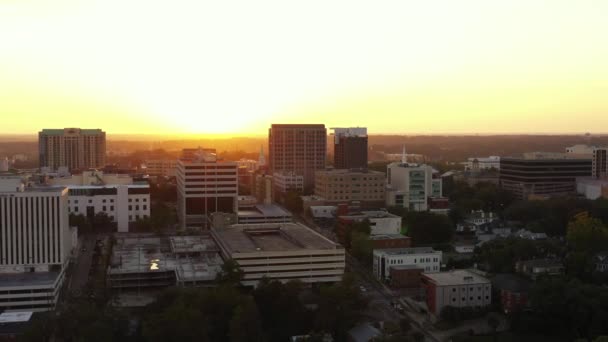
(205,185)
(73,148)
(261,158)
(599,165)
(298,149)
(350,148)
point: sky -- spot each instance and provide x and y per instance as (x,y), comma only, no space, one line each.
(235,67)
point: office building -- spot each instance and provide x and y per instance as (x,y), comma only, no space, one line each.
(582,151)
(425,258)
(350,148)
(457,288)
(74,148)
(412,185)
(262,188)
(117,195)
(599,166)
(286,251)
(365,187)
(161,167)
(482,164)
(205,185)
(542,175)
(284,182)
(35,245)
(299,149)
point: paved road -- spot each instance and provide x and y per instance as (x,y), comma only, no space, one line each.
(82,267)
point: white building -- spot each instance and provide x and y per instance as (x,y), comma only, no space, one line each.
(249,164)
(286,251)
(411,185)
(458,288)
(476,219)
(381,222)
(4,165)
(205,185)
(425,258)
(161,167)
(482,163)
(592,188)
(35,245)
(284,182)
(94,192)
(580,150)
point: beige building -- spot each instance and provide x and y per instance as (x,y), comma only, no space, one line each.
(73,148)
(350,185)
(161,167)
(281,251)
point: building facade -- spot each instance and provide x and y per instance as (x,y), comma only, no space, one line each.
(35,245)
(300,149)
(287,251)
(411,185)
(482,163)
(74,148)
(205,185)
(599,166)
(458,288)
(350,148)
(529,177)
(360,185)
(425,258)
(161,167)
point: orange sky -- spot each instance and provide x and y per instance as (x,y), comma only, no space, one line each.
(235,67)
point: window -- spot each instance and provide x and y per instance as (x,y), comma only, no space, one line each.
(479,298)
(145,200)
(111,208)
(137,200)
(104,208)
(137,207)
(130,207)
(464,299)
(90,201)
(453,299)
(470,298)
(76,209)
(130,218)
(76,201)
(130,200)
(145,207)
(104,201)
(454,290)
(111,201)
(487,297)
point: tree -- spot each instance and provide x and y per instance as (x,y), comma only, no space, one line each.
(246,325)
(493,322)
(587,234)
(293,202)
(81,222)
(101,221)
(428,228)
(361,247)
(230,274)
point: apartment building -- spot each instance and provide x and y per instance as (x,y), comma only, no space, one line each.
(360,185)
(74,148)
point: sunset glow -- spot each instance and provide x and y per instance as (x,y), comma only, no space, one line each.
(236,67)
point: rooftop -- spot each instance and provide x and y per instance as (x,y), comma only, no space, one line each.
(370,214)
(250,238)
(456,277)
(264,210)
(388,237)
(15,317)
(29,279)
(192,244)
(402,251)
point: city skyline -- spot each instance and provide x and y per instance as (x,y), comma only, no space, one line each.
(401,67)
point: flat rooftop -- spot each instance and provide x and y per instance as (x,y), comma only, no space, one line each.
(147,254)
(15,317)
(28,279)
(402,251)
(456,277)
(263,210)
(249,238)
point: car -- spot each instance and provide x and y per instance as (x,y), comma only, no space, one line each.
(362,288)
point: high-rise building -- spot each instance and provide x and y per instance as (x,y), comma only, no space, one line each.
(205,185)
(300,149)
(350,148)
(35,245)
(74,148)
(539,174)
(599,167)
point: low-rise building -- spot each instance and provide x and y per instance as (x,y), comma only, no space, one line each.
(540,267)
(424,257)
(381,222)
(405,276)
(601,262)
(513,291)
(592,188)
(476,219)
(385,241)
(457,288)
(482,163)
(161,167)
(411,185)
(284,182)
(285,251)
(263,213)
(351,185)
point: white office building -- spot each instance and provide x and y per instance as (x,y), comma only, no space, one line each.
(457,288)
(425,258)
(205,185)
(36,243)
(116,195)
(284,182)
(411,185)
(482,163)
(599,164)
